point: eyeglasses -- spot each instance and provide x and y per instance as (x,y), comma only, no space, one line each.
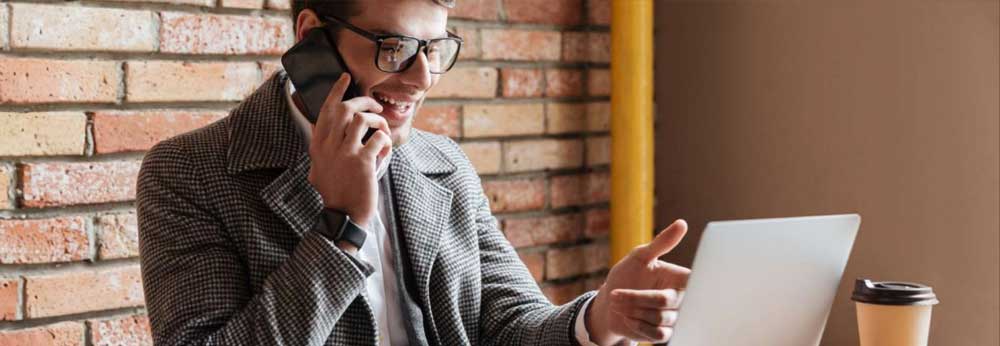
(396,53)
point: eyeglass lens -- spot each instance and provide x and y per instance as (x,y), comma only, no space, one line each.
(396,54)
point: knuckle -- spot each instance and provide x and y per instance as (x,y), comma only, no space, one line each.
(658,333)
(670,318)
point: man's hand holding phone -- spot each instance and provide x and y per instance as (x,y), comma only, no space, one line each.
(343,169)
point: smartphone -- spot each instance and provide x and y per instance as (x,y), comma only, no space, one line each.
(314,65)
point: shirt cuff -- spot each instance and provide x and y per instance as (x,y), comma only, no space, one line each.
(580,329)
(582,335)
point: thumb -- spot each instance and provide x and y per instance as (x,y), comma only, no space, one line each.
(666,240)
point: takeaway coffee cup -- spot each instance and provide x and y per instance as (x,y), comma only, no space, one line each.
(893,313)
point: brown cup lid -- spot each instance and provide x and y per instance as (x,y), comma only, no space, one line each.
(892,293)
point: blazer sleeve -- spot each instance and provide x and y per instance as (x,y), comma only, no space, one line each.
(196,286)
(513,309)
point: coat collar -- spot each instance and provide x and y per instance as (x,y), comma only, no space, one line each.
(261,131)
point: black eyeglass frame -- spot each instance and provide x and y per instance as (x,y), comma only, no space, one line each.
(379,38)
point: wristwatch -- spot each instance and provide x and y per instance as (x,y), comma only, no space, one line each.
(336,225)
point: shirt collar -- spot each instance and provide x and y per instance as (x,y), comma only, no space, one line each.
(305,127)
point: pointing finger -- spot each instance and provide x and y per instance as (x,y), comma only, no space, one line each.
(666,240)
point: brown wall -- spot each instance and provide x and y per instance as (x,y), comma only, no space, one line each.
(889,110)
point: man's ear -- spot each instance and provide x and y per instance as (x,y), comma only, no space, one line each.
(306,20)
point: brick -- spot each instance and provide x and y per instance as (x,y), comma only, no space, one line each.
(268,68)
(190,33)
(566,190)
(466,82)
(586,47)
(203,3)
(574,46)
(598,150)
(61,239)
(489,120)
(470,42)
(515,195)
(126,330)
(59,294)
(50,133)
(251,4)
(58,334)
(439,119)
(69,183)
(598,188)
(597,223)
(34,80)
(521,44)
(564,262)
(556,12)
(476,9)
(521,82)
(543,154)
(598,82)
(563,293)
(593,283)
(535,261)
(164,81)
(563,83)
(124,131)
(6,182)
(574,190)
(595,257)
(3,27)
(598,116)
(573,261)
(535,231)
(117,236)
(8,298)
(75,28)
(485,156)
(279,4)
(561,118)
(600,47)
(599,12)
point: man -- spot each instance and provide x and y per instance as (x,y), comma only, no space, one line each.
(249,228)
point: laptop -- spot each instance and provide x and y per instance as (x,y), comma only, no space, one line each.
(766,282)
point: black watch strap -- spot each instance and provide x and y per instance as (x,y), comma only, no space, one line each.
(352,233)
(336,225)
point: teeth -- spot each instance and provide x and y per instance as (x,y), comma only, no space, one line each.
(400,104)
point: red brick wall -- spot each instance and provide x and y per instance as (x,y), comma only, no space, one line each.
(86,88)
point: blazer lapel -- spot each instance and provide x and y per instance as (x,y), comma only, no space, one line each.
(423,207)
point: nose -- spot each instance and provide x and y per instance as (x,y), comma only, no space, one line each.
(418,75)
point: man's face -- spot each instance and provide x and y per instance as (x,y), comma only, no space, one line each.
(400,94)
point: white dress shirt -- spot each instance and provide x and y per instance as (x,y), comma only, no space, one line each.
(381,285)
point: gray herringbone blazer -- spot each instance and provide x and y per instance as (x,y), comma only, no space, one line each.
(228,255)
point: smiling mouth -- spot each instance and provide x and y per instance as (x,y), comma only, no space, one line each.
(394,107)
(389,100)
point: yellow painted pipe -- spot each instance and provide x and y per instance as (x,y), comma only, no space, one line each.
(631,125)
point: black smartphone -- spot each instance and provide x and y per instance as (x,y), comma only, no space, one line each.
(314,65)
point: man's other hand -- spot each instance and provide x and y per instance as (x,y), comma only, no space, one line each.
(640,298)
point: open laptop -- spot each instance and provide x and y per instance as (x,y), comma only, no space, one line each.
(767,282)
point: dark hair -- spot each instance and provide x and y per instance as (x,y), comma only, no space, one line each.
(339,8)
